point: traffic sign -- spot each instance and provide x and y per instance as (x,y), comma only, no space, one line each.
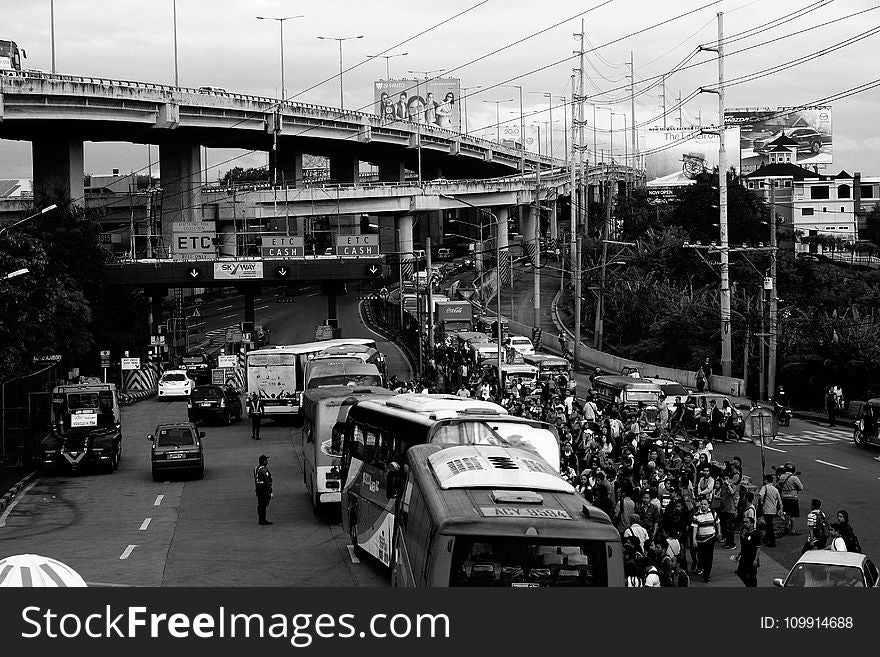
(282,271)
(219,376)
(131,363)
(193,273)
(105,353)
(374,270)
(283,247)
(357,245)
(227,361)
(49,358)
(761,424)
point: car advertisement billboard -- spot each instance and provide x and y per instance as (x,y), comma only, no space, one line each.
(810,127)
(432,102)
(676,156)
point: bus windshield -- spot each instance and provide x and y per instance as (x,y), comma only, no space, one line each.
(355,380)
(502,434)
(649,396)
(517,562)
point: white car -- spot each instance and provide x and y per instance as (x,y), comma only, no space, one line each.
(521,344)
(175,384)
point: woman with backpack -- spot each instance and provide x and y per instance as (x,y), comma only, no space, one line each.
(846,532)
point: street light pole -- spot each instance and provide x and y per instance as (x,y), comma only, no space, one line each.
(340,40)
(522,128)
(281,26)
(52,31)
(21,221)
(174,18)
(464,96)
(498,117)
(387,57)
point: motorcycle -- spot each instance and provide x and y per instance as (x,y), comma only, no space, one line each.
(783,414)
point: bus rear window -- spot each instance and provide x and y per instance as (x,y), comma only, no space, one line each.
(508,561)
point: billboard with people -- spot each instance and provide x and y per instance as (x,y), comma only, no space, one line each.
(676,156)
(760,127)
(432,102)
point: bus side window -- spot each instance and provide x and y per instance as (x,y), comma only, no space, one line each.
(371,454)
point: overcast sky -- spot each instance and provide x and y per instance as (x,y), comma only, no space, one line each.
(221,43)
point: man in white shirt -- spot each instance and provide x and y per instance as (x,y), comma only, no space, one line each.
(463,391)
(837,543)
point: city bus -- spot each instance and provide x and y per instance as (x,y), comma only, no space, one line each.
(377,434)
(10,56)
(477,515)
(323,408)
(276,373)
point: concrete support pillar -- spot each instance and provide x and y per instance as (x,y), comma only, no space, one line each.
(290,166)
(436,227)
(391,171)
(503,215)
(58,170)
(180,167)
(405,244)
(344,169)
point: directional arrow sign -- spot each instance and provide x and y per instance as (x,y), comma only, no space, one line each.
(374,270)
(282,271)
(193,273)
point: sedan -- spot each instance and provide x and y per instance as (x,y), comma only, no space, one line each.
(175,384)
(824,568)
(177,447)
(521,344)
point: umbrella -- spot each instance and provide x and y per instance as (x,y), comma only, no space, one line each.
(26,570)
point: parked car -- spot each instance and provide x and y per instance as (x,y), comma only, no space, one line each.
(824,568)
(444,253)
(175,384)
(212,402)
(177,447)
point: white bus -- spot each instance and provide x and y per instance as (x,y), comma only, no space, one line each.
(378,432)
(477,515)
(321,446)
(276,374)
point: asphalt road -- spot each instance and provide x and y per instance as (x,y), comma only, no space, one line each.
(833,470)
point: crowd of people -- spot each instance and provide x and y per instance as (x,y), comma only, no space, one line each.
(670,500)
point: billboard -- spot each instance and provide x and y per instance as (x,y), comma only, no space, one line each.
(433,102)
(676,156)
(810,127)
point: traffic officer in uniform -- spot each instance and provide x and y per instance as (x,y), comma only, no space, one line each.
(263,488)
(255,410)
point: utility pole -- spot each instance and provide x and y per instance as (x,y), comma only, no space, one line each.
(632,107)
(771,367)
(680,124)
(663,99)
(574,193)
(577,304)
(726,356)
(537,264)
(430,297)
(600,299)
(762,351)
(584,202)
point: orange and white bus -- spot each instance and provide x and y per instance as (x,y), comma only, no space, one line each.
(323,408)
(478,515)
(379,432)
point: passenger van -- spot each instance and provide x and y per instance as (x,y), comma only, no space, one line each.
(632,395)
(549,366)
(479,515)
(526,375)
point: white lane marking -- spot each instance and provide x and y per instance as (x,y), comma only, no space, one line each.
(354,559)
(14,502)
(774,449)
(126,553)
(225,307)
(262,307)
(229,316)
(159,499)
(316,294)
(833,465)
(103,584)
(145,524)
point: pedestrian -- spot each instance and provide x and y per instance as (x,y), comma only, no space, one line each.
(705,530)
(727,510)
(817,527)
(831,406)
(837,542)
(255,410)
(463,391)
(748,560)
(624,509)
(847,533)
(789,487)
(770,504)
(263,488)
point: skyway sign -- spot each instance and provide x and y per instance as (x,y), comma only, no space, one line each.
(357,245)
(238,270)
(282,247)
